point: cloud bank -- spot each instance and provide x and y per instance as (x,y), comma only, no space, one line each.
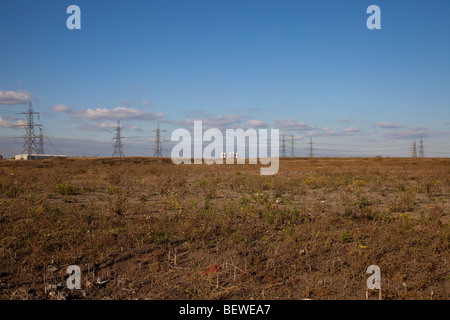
(14,97)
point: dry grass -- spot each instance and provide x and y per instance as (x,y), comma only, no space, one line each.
(151,229)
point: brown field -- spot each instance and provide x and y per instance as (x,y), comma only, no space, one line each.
(148,229)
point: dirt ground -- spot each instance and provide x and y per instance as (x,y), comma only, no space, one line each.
(144,228)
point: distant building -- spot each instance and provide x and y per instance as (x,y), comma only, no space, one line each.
(37,156)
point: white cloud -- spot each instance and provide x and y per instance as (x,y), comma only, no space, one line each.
(100,127)
(134,128)
(14,97)
(351,130)
(414,133)
(328,132)
(118,113)
(223,121)
(107,126)
(297,138)
(344,120)
(8,124)
(388,125)
(257,124)
(61,108)
(292,125)
(219,122)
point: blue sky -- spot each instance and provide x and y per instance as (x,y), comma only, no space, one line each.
(308,68)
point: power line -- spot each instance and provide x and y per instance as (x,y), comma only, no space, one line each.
(56,151)
(46,136)
(96,144)
(40,142)
(101,151)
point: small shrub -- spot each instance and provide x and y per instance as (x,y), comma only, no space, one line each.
(66,189)
(346,237)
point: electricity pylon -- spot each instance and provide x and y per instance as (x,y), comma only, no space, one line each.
(414,150)
(118,146)
(40,143)
(30,144)
(292,147)
(158,148)
(310,148)
(421,152)
(283,147)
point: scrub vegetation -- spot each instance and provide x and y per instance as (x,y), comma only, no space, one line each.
(144,228)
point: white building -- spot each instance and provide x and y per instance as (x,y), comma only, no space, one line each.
(234,155)
(37,156)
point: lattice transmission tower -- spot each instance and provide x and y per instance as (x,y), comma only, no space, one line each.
(283,147)
(414,150)
(158,148)
(311,148)
(30,144)
(421,152)
(40,142)
(118,146)
(292,147)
